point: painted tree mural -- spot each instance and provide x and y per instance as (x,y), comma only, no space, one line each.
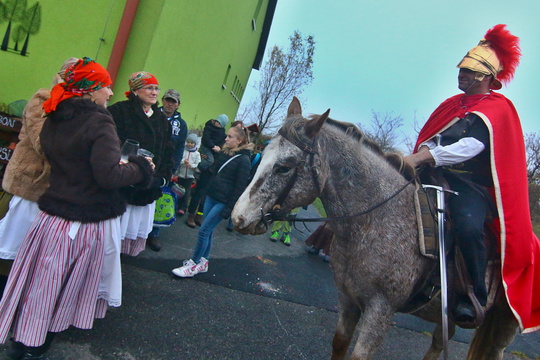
(28,21)
(18,36)
(31,24)
(13,12)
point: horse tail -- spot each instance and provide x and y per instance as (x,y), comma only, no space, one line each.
(495,334)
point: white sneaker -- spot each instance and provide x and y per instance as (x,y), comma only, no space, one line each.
(202,266)
(188,269)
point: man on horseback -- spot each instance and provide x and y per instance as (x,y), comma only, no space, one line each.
(476,140)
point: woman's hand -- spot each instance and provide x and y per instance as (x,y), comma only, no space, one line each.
(216,149)
(152,165)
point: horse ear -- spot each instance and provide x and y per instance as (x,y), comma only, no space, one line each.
(314,126)
(294,108)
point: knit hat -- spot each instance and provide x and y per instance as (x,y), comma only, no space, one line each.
(192,137)
(223,120)
(140,79)
(497,54)
(83,77)
(172,94)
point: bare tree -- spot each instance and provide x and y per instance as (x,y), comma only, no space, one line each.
(384,130)
(410,140)
(532,149)
(283,75)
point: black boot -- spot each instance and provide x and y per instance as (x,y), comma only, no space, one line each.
(153,243)
(464,311)
(38,352)
(15,350)
(198,219)
(191,221)
(314,251)
(30,355)
(3,282)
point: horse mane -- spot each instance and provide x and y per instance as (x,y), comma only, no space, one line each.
(393,158)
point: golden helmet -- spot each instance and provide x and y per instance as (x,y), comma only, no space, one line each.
(483,59)
(497,54)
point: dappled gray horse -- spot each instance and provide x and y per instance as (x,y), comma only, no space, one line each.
(375,256)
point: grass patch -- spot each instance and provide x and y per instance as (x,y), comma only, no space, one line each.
(519,354)
(320,208)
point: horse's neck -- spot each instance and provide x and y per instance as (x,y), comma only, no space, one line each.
(366,180)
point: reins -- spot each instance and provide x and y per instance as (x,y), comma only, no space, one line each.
(275,215)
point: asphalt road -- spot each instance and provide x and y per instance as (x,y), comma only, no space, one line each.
(259,300)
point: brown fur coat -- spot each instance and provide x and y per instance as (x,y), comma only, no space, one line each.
(27,174)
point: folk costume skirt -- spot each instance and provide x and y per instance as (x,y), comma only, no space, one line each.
(136,223)
(65,274)
(15,224)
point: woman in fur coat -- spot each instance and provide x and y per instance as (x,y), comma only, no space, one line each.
(26,177)
(67,270)
(139,118)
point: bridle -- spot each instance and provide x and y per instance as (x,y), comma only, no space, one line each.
(276,214)
(309,151)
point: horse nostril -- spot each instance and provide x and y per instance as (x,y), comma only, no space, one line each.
(239,222)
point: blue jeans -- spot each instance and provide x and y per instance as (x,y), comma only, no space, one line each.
(211,219)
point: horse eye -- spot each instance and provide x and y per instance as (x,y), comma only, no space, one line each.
(283,170)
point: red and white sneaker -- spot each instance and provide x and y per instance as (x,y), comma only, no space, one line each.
(202,266)
(188,269)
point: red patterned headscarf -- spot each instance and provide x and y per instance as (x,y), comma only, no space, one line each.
(140,79)
(83,77)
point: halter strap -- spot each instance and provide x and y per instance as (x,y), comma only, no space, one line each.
(308,150)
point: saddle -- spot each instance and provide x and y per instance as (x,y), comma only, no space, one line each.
(459,282)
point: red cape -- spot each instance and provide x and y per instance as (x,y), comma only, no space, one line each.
(519,246)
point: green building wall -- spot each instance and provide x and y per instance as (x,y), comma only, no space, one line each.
(68,29)
(204,49)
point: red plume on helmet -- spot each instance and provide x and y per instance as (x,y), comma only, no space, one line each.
(506,47)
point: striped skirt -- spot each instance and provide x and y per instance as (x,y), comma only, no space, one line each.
(15,224)
(136,223)
(65,274)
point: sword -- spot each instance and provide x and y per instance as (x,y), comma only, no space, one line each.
(442,262)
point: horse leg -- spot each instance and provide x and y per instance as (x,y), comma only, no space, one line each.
(437,341)
(375,322)
(348,318)
(495,334)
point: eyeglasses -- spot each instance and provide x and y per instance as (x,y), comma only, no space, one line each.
(152,88)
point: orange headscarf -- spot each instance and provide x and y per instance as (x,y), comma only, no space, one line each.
(140,79)
(83,77)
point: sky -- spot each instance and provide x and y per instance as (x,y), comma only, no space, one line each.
(399,57)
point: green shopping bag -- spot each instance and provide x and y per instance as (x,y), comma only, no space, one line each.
(165,214)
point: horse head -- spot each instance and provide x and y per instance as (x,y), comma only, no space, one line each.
(290,173)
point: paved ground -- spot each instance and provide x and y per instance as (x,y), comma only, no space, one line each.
(259,300)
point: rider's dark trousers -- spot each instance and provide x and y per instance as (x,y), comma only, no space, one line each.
(468,211)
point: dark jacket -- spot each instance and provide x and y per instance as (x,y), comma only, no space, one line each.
(153,134)
(80,142)
(213,135)
(179,133)
(227,185)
